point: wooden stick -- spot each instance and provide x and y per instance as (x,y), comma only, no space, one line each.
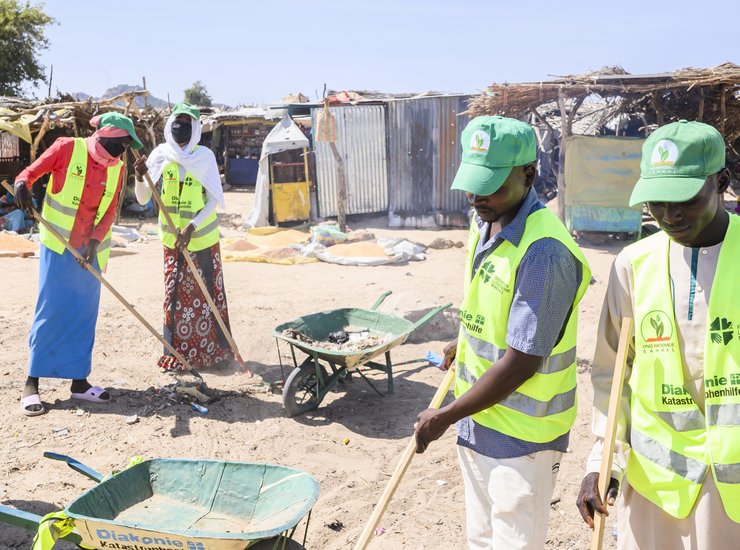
(408,454)
(107,285)
(610,434)
(196,273)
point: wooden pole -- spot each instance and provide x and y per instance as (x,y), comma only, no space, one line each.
(107,285)
(610,434)
(341,187)
(408,454)
(196,274)
(700,116)
(561,155)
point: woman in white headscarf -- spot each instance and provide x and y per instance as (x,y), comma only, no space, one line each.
(191,189)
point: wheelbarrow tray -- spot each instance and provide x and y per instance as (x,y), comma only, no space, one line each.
(318,326)
(193,505)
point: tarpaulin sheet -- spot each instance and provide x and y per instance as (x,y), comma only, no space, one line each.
(601,171)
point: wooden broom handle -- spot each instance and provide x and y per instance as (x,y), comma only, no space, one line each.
(610,434)
(408,454)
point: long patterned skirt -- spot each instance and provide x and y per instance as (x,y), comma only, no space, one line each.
(189,324)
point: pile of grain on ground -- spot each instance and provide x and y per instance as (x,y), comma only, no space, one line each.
(240,245)
(278,239)
(15,245)
(362,249)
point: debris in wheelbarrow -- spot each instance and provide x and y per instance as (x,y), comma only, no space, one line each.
(347,339)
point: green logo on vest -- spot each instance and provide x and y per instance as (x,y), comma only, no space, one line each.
(486,271)
(77,170)
(171,174)
(656,326)
(188,180)
(720,331)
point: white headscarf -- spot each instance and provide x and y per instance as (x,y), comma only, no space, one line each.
(199,161)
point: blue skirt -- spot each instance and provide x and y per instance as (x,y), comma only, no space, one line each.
(63,331)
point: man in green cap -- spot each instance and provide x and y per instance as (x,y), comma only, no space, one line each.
(515,382)
(80,203)
(679,422)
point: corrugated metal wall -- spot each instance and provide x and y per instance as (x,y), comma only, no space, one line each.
(361,140)
(424,154)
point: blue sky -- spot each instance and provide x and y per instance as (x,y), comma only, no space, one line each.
(257,52)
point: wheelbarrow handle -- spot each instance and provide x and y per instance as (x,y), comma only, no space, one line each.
(429,315)
(76,466)
(380,299)
(29,522)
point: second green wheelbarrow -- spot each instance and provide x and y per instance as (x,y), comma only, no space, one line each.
(310,381)
(182,504)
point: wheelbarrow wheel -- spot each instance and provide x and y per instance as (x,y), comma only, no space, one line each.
(299,392)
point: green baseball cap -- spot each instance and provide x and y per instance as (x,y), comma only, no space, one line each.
(123,122)
(676,160)
(491,147)
(186,109)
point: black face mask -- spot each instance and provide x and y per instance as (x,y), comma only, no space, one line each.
(182,131)
(115,148)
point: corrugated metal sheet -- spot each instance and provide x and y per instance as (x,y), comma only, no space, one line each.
(361,140)
(424,155)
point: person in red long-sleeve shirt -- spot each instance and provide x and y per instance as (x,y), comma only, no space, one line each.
(80,204)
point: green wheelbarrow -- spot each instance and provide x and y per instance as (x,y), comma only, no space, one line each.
(310,381)
(181,504)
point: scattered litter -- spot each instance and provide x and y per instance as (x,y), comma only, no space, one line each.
(345,441)
(335,525)
(441,482)
(379,531)
(60,431)
(80,412)
(200,408)
(434,358)
(133,419)
(554,501)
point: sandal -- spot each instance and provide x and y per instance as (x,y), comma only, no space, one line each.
(29,401)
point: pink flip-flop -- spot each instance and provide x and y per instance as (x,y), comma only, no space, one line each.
(92,394)
(29,401)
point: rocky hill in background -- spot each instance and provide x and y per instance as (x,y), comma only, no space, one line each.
(120,89)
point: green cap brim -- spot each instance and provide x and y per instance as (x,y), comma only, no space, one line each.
(480,180)
(136,143)
(668,189)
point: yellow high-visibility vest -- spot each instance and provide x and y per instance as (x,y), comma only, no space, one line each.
(675,445)
(544,407)
(182,207)
(60,209)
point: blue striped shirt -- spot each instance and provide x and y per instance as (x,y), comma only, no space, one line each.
(545,287)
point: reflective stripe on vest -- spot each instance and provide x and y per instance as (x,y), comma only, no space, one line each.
(544,407)
(673,443)
(183,203)
(60,209)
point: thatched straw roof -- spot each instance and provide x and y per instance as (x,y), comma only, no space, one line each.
(707,95)
(33,119)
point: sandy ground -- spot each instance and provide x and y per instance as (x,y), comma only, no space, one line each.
(248,423)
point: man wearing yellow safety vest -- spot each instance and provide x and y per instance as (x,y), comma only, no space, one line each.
(679,423)
(191,190)
(515,383)
(80,203)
